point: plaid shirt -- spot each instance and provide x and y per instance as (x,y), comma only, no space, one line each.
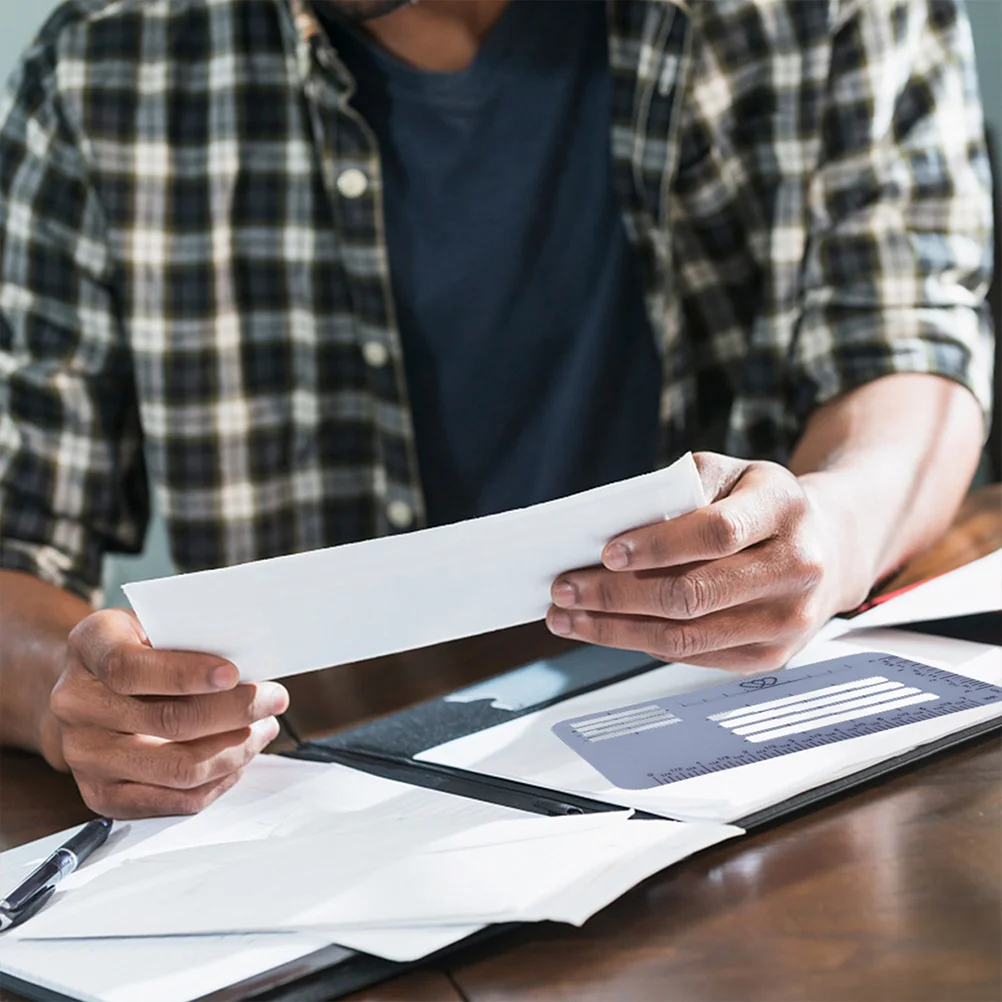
(196,292)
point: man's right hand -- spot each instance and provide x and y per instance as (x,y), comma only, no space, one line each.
(148,732)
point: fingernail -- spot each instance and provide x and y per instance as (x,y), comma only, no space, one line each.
(560,623)
(278,701)
(269,728)
(224,677)
(616,557)
(565,595)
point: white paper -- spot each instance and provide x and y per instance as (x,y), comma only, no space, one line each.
(152,970)
(525,749)
(275,798)
(320,854)
(973,588)
(344,882)
(310,610)
(157,969)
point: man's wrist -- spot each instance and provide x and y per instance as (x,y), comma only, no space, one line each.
(850,540)
(49,730)
(50,741)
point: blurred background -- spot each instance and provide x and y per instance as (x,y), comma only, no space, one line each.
(20,20)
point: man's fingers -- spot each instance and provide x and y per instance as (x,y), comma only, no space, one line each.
(149,732)
(683,640)
(746,660)
(185,718)
(83,701)
(109,644)
(763,500)
(765,570)
(135,670)
(126,800)
(187,765)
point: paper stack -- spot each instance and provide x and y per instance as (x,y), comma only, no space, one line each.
(304,855)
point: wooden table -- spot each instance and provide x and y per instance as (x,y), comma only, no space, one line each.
(893,892)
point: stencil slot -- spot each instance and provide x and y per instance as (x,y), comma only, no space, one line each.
(838,718)
(827,690)
(830,704)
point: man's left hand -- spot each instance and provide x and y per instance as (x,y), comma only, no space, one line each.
(742,583)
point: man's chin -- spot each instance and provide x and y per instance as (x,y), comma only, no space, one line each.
(366,10)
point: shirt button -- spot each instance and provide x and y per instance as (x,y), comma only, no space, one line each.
(352,182)
(400,514)
(375,354)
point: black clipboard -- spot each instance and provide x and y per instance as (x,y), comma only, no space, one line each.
(386,747)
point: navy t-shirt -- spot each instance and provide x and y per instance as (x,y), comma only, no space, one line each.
(530,361)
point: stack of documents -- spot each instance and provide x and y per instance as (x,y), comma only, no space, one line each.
(300,855)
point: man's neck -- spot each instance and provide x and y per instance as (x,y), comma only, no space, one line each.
(436,35)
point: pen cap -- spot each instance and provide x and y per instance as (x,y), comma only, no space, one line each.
(32,907)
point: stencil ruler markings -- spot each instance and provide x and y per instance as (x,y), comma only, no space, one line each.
(663,741)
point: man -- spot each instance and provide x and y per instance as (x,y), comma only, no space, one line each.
(325,272)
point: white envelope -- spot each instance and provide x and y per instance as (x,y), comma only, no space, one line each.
(311,610)
(974,588)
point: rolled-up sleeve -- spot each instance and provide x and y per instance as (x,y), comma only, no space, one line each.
(72,481)
(899,241)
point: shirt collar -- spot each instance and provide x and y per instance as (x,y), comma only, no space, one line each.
(304,19)
(308,26)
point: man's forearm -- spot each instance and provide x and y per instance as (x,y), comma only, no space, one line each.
(35,620)
(890,463)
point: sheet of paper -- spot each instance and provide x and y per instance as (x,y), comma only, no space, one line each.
(276,798)
(577,874)
(335,856)
(152,970)
(168,969)
(310,610)
(525,749)
(973,588)
(349,881)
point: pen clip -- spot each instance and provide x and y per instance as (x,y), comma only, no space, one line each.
(33,905)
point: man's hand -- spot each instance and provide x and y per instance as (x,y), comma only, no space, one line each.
(148,732)
(742,583)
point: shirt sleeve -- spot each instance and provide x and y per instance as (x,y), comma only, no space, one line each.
(72,479)
(898,252)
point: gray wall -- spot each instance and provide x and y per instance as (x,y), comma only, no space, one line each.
(986,23)
(19,19)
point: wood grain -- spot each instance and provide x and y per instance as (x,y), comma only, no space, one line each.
(421,986)
(35,801)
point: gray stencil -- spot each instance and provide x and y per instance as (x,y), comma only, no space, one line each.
(663,741)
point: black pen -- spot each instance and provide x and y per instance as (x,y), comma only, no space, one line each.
(32,893)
